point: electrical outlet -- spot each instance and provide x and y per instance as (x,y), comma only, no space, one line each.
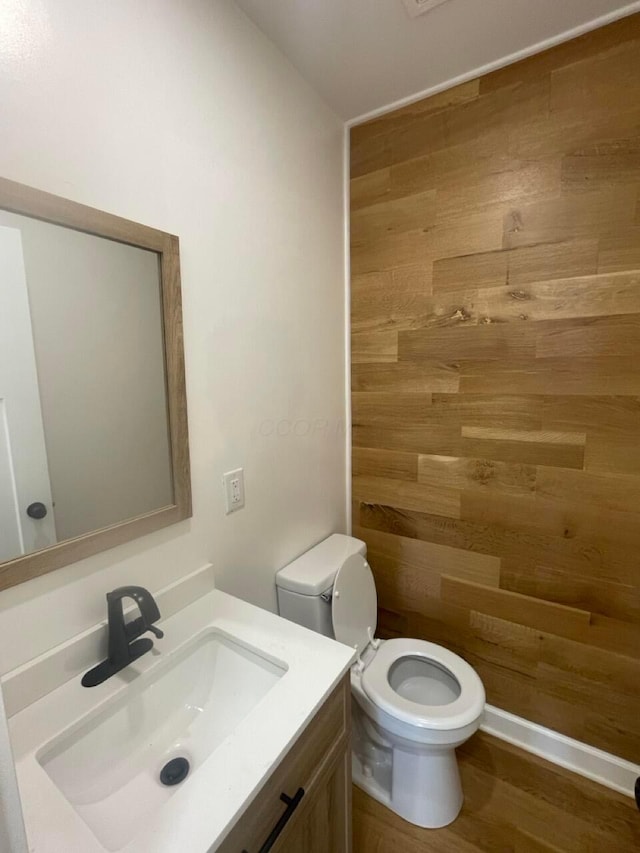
(233,482)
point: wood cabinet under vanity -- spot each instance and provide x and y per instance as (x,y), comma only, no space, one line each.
(319,763)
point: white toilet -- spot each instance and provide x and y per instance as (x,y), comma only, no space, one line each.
(415,702)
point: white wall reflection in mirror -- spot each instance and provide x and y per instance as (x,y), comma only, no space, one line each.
(83,410)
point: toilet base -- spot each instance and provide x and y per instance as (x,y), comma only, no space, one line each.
(419,783)
(368,783)
(424,789)
(433,797)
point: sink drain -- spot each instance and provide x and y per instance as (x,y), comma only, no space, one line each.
(174,771)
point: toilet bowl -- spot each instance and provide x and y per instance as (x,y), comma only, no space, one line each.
(415,701)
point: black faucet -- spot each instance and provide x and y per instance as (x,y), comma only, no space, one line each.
(124,645)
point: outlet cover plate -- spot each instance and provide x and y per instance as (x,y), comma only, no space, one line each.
(233,482)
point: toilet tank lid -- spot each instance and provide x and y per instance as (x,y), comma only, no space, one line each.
(313,572)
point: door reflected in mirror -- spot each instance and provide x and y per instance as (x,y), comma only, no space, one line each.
(84,431)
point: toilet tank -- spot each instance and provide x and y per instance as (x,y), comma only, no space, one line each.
(304,586)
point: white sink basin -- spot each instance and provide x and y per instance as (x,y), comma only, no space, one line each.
(108,765)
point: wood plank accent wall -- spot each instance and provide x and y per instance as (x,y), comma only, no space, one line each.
(496,379)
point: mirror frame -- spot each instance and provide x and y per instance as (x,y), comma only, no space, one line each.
(18,198)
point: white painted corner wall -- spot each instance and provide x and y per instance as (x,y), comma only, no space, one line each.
(184,117)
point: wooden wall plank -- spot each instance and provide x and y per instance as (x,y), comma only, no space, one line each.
(374,347)
(597,296)
(555,260)
(496,379)
(392,464)
(611,415)
(500,342)
(488,269)
(567,454)
(600,83)
(506,411)
(606,336)
(432,558)
(614,162)
(423,378)
(620,250)
(565,375)
(525,435)
(369,153)
(609,453)
(391,310)
(569,216)
(398,582)
(370,188)
(388,408)
(407,495)
(564,542)
(437,103)
(618,493)
(433,440)
(433,170)
(508,180)
(513,607)
(570,130)
(394,216)
(465,473)
(618,601)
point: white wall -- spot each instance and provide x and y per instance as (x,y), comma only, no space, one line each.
(182,116)
(366,56)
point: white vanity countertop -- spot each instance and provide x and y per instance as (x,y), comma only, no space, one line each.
(204,808)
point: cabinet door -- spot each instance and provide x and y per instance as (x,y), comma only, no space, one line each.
(320,764)
(324,826)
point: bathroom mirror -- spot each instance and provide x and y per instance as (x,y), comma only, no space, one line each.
(93,423)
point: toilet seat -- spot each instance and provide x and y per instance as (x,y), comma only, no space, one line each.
(454,715)
(354,615)
(354,605)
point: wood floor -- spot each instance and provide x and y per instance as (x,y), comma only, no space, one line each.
(514,803)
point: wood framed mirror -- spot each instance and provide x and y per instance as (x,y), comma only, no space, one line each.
(94,446)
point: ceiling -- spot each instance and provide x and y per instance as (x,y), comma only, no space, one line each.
(363,55)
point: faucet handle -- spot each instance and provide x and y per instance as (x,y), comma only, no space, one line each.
(137,627)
